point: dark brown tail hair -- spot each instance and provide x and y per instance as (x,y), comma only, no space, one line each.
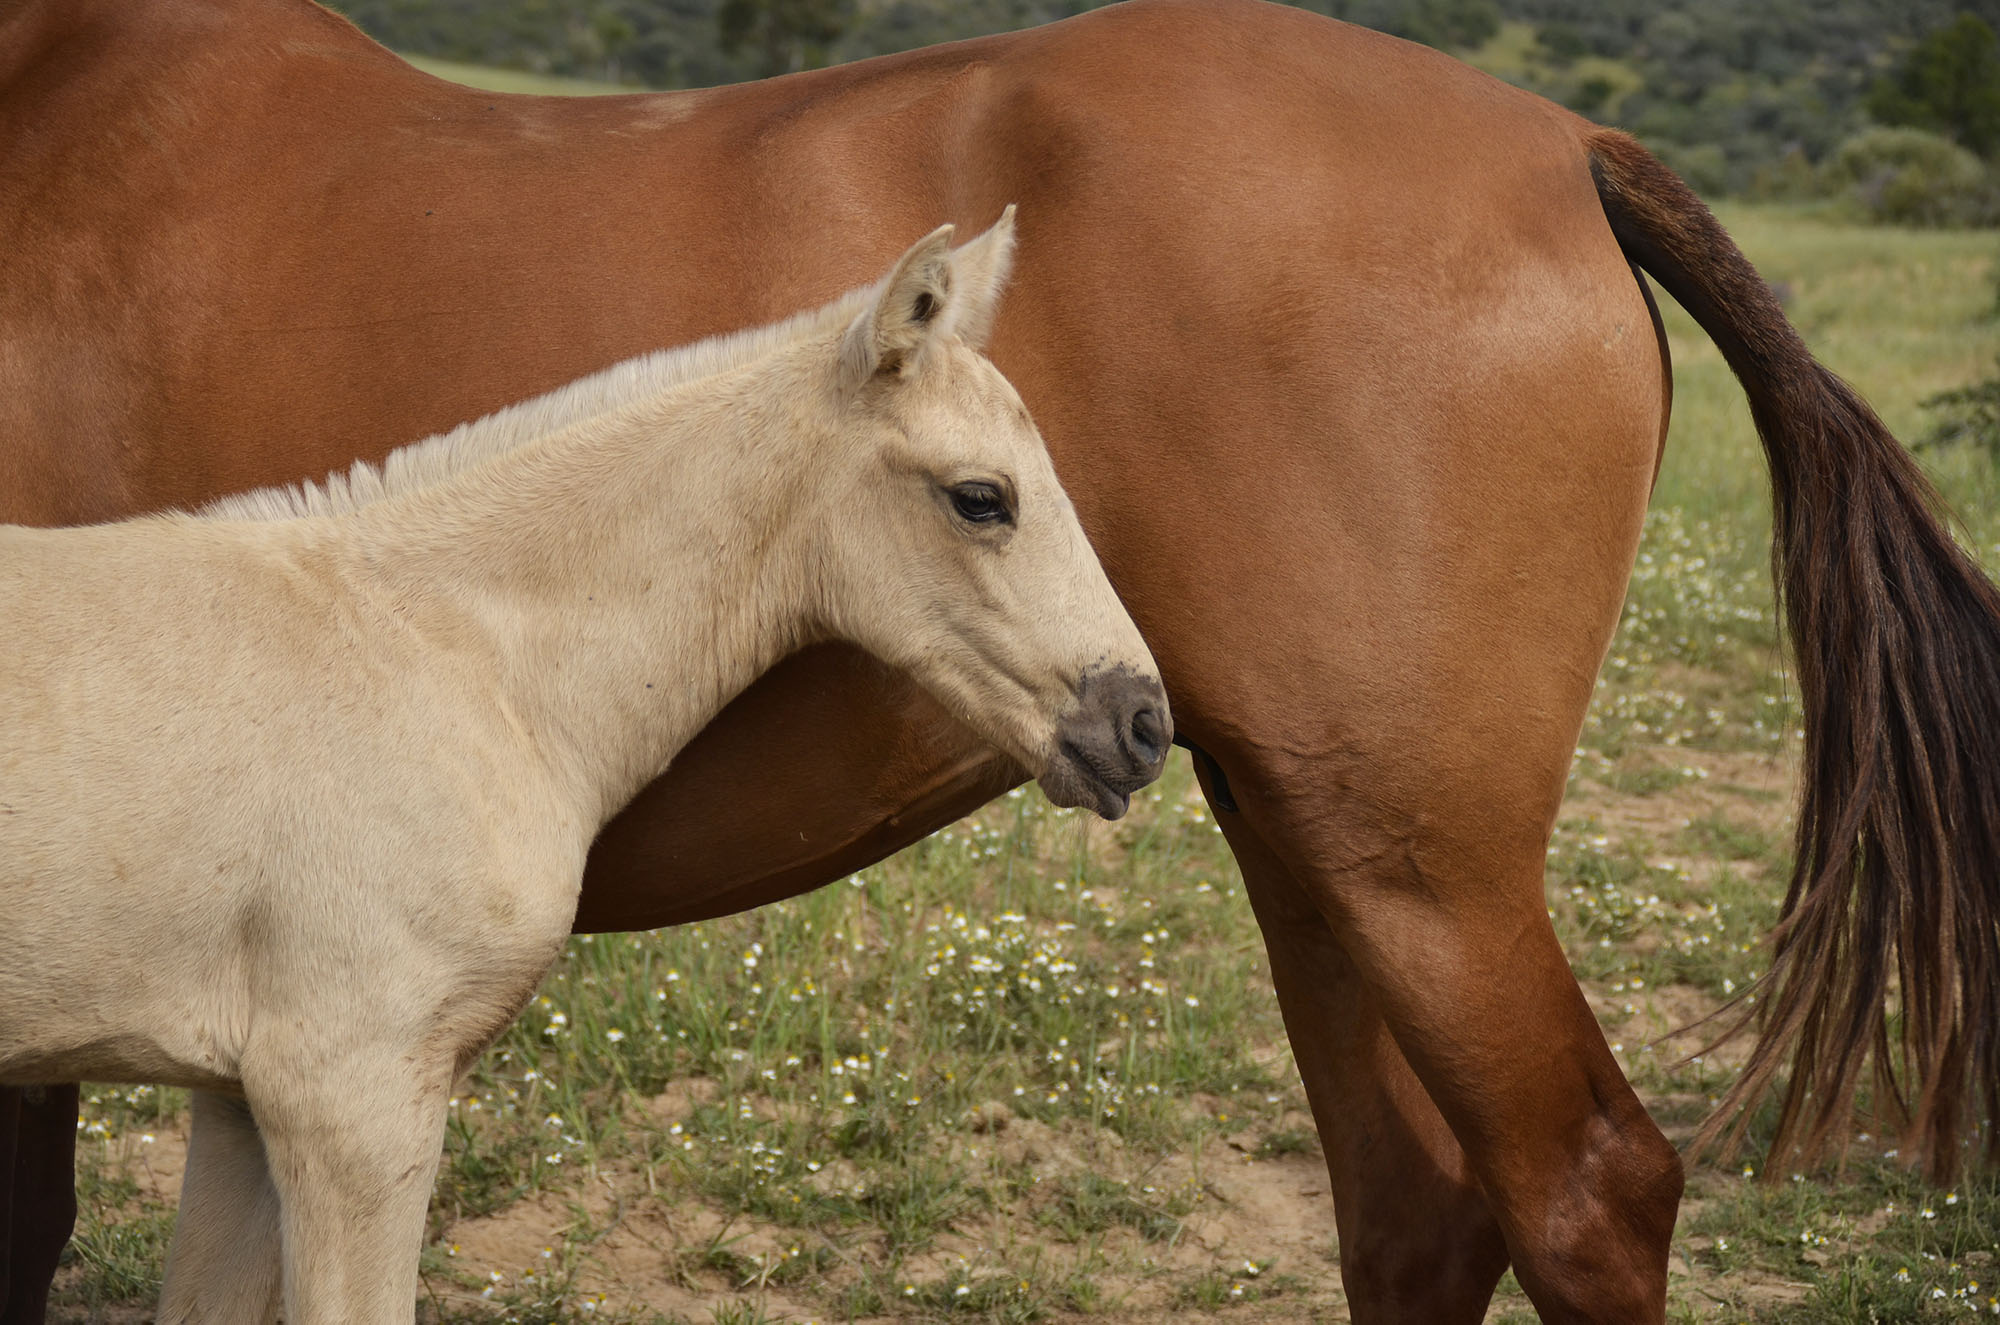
(1897,634)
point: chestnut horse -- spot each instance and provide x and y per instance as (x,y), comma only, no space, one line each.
(1370,322)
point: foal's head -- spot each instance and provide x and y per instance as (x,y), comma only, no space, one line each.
(952,550)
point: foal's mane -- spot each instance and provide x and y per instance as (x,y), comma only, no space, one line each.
(439,457)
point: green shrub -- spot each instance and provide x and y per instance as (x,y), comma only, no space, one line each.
(1705,166)
(1949,83)
(1791,178)
(1563,42)
(1911,177)
(1970,414)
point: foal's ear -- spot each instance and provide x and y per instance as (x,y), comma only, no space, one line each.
(909,310)
(982,264)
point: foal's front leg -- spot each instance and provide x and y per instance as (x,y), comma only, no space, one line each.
(352,1146)
(223,1268)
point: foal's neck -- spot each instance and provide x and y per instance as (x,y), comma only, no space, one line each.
(629,575)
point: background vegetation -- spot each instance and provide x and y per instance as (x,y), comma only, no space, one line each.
(1789,98)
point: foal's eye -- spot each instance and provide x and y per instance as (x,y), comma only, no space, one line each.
(981,503)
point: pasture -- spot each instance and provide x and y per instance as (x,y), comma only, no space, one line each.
(1032,1068)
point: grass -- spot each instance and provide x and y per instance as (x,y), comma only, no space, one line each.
(491,79)
(1902,314)
(1031,1068)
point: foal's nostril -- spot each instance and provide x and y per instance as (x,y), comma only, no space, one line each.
(1146,737)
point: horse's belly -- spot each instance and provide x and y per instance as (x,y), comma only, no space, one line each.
(827,764)
(51,1054)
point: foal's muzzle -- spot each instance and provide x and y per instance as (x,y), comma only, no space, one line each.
(1111,743)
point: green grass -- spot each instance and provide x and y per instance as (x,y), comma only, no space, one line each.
(1032,1069)
(1902,314)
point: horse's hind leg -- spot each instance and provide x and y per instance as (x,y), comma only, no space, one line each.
(1417,1242)
(1432,924)
(1393,672)
(224,1263)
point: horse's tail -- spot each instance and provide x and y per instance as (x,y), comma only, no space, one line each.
(1897,879)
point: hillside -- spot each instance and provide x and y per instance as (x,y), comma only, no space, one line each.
(1733,94)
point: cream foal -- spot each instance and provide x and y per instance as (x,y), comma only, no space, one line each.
(295,810)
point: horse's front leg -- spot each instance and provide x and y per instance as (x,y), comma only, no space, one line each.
(350,1085)
(223,1267)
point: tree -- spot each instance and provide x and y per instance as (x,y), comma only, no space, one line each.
(1564,43)
(1949,83)
(1452,24)
(1445,24)
(787,35)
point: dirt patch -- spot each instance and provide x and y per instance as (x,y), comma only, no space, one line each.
(610,1241)
(1252,1229)
(1756,790)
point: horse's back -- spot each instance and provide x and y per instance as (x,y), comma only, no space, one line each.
(253,218)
